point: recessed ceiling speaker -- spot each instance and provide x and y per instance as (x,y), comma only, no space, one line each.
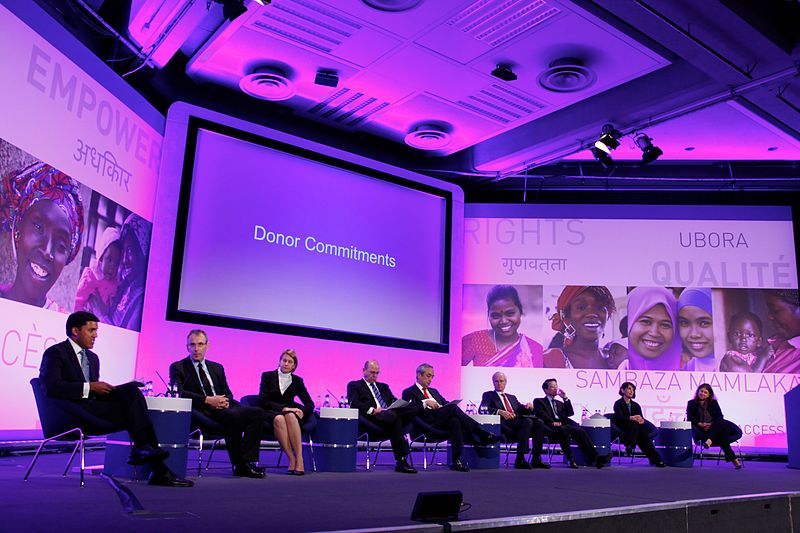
(567,75)
(392,5)
(268,83)
(428,137)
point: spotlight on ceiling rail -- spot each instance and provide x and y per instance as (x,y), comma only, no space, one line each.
(603,158)
(504,73)
(649,152)
(608,140)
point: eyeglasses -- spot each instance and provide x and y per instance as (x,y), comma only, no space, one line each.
(747,335)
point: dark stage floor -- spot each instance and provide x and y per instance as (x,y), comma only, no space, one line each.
(335,501)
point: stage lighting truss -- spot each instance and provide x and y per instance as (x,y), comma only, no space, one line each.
(645,144)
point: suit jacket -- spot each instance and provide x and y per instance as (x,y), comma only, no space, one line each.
(272,400)
(61,372)
(360,396)
(693,411)
(543,410)
(493,403)
(622,416)
(414,395)
(184,375)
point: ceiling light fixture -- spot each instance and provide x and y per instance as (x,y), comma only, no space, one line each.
(608,140)
(504,72)
(649,152)
(603,158)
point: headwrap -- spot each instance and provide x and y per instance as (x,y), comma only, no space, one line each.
(701,298)
(569,294)
(138,228)
(640,300)
(109,236)
(19,191)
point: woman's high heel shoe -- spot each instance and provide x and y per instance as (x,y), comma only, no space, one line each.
(737,464)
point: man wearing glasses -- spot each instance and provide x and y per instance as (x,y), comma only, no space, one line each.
(204,382)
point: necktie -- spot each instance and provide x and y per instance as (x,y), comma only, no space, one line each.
(376,392)
(207,388)
(555,411)
(84,365)
(425,393)
(506,403)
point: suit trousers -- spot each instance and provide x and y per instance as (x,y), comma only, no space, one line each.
(242,431)
(638,435)
(721,434)
(125,407)
(457,423)
(522,429)
(567,431)
(393,422)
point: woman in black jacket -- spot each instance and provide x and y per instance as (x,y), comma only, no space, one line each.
(709,427)
(277,394)
(634,428)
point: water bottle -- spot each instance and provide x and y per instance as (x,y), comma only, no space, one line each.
(148,388)
(318,404)
(483,410)
(327,402)
(342,402)
(584,414)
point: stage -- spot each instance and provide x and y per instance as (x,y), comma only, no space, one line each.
(382,498)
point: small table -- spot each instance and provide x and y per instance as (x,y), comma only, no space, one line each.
(171,419)
(599,431)
(675,440)
(335,440)
(481,457)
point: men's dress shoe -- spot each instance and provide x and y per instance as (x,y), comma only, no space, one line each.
(459,466)
(573,464)
(168,479)
(628,450)
(246,470)
(488,438)
(297,472)
(405,468)
(540,464)
(255,467)
(737,464)
(603,460)
(659,464)
(522,464)
(146,454)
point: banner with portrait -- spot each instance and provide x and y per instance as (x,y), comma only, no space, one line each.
(667,297)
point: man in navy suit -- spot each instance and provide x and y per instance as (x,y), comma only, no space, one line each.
(372,398)
(71,371)
(436,411)
(516,422)
(204,382)
(555,415)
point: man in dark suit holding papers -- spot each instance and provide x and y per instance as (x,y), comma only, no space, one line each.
(71,371)
(372,400)
(204,382)
(436,411)
(516,422)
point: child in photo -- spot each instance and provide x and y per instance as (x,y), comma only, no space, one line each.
(745,338)
(99,281)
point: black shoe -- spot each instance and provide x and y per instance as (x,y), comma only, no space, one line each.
(628,450)
(403,467)
(602,460)
(489,438)
(297,472)
(522,464)
(246,470)
(459,466)
(659,464)
(168,479)
(256,468)
(146,454)
(540,464)
(573,464)
(737,464)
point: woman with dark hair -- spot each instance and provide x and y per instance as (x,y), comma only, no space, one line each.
(709,427)
(696,328)
(503,344)
(42,209)
(277,394)
(634,428)
(581,316)
(784,313)
(652,342)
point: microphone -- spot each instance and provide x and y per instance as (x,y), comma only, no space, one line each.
(168,393)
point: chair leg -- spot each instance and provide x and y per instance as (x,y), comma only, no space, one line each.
(71,458)
(33,461)
(200,457)
(311,452)
(425,453)
(378,451)
(211,453)
(368,466)
(83,458)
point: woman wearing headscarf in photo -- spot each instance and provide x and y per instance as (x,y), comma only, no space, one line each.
(653,343)
(41,207)
(696,328)
(129,300)
(99,281)
(581,316)
(784,314)
(503,344)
